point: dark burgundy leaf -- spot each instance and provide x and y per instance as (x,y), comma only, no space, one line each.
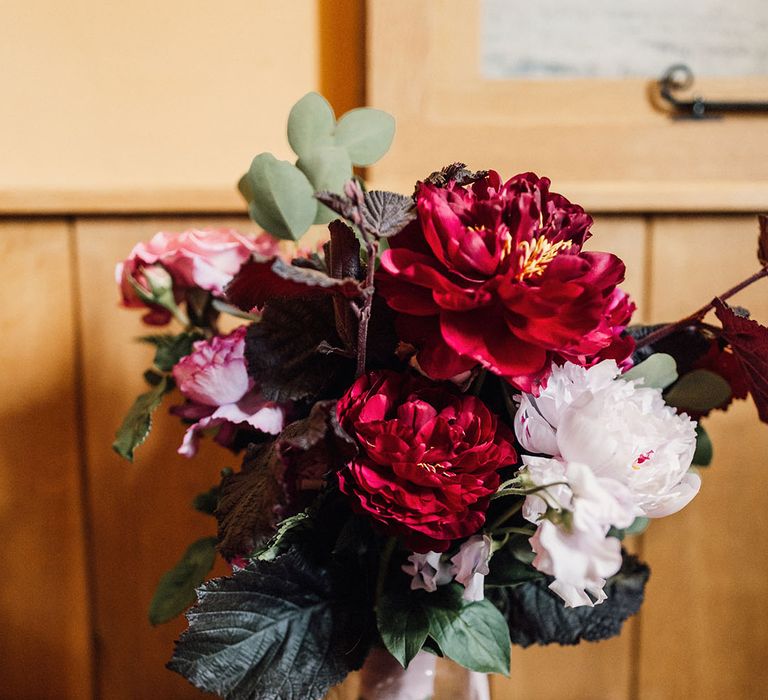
(762,239)
(250,502)
(262,279)
(749,341)
(387,213)
(455,172)
(285,350)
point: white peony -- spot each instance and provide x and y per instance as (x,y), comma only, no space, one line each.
(615,451)
(620,430)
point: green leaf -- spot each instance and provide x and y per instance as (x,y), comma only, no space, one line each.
(658,371)
(506,569)
(403,623)
(327,168)
(310,124)
(536,615)
(207,501)
(170,348)
(283,539)
(276,630)
(176,590)
(366,134)
(700,391)
(138,422)
(473,634)
(280,197)
(702,457)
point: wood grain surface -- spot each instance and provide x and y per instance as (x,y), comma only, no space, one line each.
(45,642)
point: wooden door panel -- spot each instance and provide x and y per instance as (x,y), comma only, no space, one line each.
(598,139)
(45,641)
(705,623)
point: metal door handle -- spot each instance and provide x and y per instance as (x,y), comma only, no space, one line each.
(680,77)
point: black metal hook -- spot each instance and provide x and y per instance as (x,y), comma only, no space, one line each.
(680,77)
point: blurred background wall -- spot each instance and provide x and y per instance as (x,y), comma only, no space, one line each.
(122,119)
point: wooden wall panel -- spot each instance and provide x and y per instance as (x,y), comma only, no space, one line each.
(45,631)
(601,670)
(142,103)
(705,622)
(142,520)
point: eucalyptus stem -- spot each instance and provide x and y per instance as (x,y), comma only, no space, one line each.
(662,333)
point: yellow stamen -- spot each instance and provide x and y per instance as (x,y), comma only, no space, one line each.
(430,467)
(535,255)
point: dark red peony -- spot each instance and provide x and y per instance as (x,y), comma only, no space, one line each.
(496,275)
(428,461)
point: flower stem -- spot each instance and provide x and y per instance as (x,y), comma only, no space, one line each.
(372,246)
(663,332)
(507,514)
(386,556)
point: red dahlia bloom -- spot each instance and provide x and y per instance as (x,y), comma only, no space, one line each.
(428,460)
(496,275)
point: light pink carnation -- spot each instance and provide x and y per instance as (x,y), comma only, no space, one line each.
(204,258)
(220,394)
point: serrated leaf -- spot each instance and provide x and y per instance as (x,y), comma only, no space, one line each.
(403,623)
(247,510)
(280,197)
(749,341)
(137,424)
(366,133)
(658,371)
(537,616)
(176,590)
(169,349)
(311,123)
(327,168)
(280,630)
(262,279)
(473,634)
(283,351)
(387,213)
(283,539)
(700,391)
(702,457)
(762,239)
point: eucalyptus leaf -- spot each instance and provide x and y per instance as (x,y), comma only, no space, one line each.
(473,634)
(658,371)
(702,457)
(281,198)
(327,168)
(699,391)
(137,424)
(176,590)
(310,124)
(366,133)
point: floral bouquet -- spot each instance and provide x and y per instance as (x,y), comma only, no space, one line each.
(448,425)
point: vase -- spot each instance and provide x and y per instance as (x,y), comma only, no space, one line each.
(426,678)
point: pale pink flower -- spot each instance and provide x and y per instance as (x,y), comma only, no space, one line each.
(220,394)
(197,258)
(470,566)
(427,571)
